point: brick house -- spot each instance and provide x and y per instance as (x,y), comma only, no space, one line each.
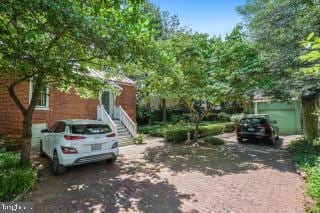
(118,111)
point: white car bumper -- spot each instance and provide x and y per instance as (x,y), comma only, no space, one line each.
(76,159)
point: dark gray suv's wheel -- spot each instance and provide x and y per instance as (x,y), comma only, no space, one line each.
(240,140)
(57,168)
(273,140)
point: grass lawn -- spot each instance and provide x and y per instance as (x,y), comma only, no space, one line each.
(178,132)
(308,158)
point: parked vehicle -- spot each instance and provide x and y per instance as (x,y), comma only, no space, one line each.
(257,127)
(73,142)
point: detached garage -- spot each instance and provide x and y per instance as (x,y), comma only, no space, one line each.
(286,114)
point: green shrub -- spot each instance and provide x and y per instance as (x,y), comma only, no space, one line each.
(229,127)
(214,129)
(8,161)
(308,157)
(211,117)
(224,117)
(213,140)
(179,132)
(6,143)
(14,179)
(139,139)
(174,118)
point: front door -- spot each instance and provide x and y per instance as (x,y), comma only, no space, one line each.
(105,101)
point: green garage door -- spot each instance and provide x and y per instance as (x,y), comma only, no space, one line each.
(286,119)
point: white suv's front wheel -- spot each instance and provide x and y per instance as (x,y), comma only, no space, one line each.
(57,168)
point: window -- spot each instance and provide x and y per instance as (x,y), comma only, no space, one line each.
(60,127)
(90,129)
(43,101)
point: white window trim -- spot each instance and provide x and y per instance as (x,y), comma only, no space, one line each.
(30,97)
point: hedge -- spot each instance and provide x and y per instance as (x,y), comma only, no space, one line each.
(179,132)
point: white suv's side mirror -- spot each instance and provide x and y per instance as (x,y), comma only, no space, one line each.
(275,122)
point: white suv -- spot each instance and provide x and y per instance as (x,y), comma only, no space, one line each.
(73,142)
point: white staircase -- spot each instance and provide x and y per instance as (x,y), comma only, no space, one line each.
(123,135)
(123,126)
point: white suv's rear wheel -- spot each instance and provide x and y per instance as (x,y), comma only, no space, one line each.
(57,168)
(111,160)
(41,150)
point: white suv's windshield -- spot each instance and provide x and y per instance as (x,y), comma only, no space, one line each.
(90,129)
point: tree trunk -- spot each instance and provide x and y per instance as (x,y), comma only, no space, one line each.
(310,119)
(196,129)
(27,117)
(150,114)
(164,110)
(26,140)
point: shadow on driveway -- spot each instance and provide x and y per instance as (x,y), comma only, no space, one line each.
(126,186)
(230,158)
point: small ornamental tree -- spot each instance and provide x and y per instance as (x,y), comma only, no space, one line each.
(56,43)
(207,71)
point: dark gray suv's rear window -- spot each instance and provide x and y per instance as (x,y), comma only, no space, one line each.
(90,129)
(253,121)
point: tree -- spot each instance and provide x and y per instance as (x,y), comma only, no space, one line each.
(279,27)
(311,57)
(155,61)
(56,43)
(204,71)
(311,69)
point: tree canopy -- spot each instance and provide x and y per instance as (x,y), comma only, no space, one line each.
(200,71)
(56,43)
(278,27)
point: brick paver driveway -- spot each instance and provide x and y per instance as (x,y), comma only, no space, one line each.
(160,177)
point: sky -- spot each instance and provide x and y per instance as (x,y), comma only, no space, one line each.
(215,17)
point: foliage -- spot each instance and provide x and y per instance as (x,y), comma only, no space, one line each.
(59,43)
(14,179)
(213,129)
(201,72)
(224,117)
(6,143)
(229,127)
(139,139)
(308,158)
(278,27)
(179,132)
(176,117)
(312,57)
(213,140)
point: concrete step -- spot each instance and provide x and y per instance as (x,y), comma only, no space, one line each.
(122,129)
(124,138)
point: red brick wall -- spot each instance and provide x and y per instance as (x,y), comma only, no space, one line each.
(61,106)
(127,99)
(10,116)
